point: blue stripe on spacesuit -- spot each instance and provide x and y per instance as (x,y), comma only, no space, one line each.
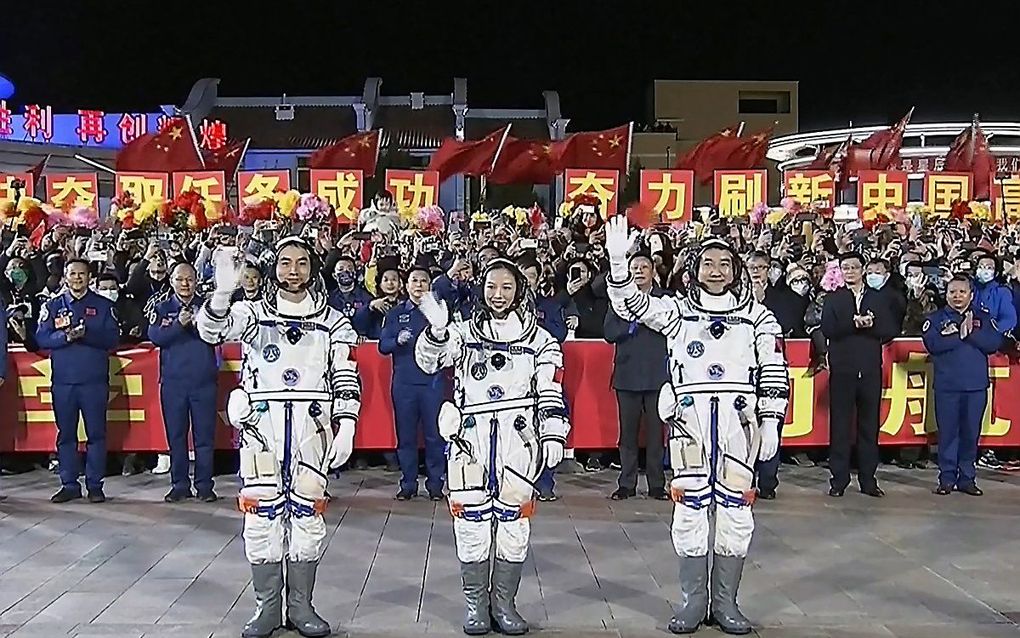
(288,427)
(493,487)
(714,428)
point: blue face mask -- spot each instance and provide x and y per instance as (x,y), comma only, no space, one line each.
(984,275)
(345,278)
(875,280)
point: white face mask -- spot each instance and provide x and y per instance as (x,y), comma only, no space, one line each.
(800,287)
(774,275)
(112,295)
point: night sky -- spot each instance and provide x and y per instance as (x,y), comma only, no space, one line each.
(864,61)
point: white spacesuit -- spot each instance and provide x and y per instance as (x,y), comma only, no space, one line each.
(298,383)
(726,397)
(506,423)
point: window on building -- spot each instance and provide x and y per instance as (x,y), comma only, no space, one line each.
(754,102)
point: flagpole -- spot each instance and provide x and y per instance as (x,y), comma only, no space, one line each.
(194,140)
(94,164)
(240,160)
(499,149)
(630,138)
(378,149)
(740,129)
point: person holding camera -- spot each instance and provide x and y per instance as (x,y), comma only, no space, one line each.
(79,328)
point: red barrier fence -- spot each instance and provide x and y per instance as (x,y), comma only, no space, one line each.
(135,422)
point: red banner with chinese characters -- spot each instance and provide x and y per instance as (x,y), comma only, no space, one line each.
(736,193)
(343,189)
(809,186)
(942,189)
(255,186)
(1006,197)
(211,185)
(670,193)
(143,186)
(7,185)
(72,189)
(135,422)
(603,183)
(881,189)
(413,189)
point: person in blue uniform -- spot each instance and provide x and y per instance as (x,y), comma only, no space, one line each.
(959,338)
(991,296)
(550,314)
(187,385)
(417,396)
(79,328)
(349,296)
(368,320)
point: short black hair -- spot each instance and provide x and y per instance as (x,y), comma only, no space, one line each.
(107,276)
(758,254)
(417,267)
(642,254)
(384,195)
(852,255)
(78,260)
(880,261)
(963,278)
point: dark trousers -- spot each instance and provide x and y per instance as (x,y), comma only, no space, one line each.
(959,416)
(632,405)
(768,471)
(89,403)
(191,408)
(414,404)
(849,394)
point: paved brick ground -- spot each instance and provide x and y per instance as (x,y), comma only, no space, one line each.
(910,565)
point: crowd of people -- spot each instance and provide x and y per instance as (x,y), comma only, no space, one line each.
(801,261)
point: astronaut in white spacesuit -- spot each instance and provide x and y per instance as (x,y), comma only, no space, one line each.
(506,423)
(727,394)
(296,411)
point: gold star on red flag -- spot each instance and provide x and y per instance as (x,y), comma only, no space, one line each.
(176,132)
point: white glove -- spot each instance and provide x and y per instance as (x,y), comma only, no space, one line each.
(436,312)
(449,421)
(343,444)
(227,269)
(769,440)
(619,239)
(552,452)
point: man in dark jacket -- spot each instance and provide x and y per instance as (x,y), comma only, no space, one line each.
(639,371)
(857,321)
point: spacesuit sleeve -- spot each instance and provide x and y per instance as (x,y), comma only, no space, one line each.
(661,314)
(238,321)
(432,355)
(552,413)
(772,377)
(343,371)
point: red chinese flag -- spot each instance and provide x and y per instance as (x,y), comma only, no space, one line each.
(751,153)
(710,154)
(359,151)
(524,162)
(880,151)
(468,158)
(226,158)
(609,149)
(173,148)
(969,154)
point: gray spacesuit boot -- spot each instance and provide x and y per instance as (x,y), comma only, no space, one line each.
(506,579)
(726,572)
(267,580)
(475,578)
(693,595)
(300,613)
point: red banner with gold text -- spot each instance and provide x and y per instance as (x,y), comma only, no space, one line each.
(135,424)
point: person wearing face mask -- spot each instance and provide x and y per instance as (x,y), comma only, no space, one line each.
(991,296)
(129,313)
(922,299)
(22,305)
(787,304)
(878,277)
(349,296)
(857,321)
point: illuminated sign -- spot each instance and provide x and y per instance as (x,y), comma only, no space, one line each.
(91,128)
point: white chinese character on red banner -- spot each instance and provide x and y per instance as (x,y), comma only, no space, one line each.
(6,120)
(131,127)
(940,163)
(214,134)
(922,165)
(162,122)
(1001,164)
(39,120)
(1014,164)
(907,165)
(91,125)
